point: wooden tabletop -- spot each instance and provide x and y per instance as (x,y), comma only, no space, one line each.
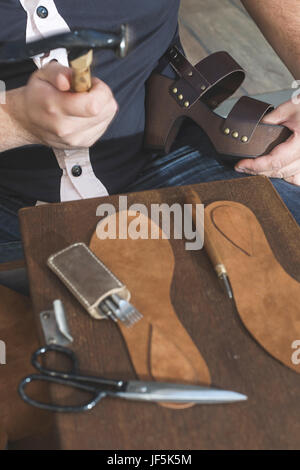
(270,419)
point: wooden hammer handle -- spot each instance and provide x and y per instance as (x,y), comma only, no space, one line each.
(81,76)
(209,245)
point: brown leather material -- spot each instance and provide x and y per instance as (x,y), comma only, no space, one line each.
(17,329)
(266,297)
(159,346)
(253,110)
(218,73)
(164,118)
(86,277)
(3,439)
(189,75)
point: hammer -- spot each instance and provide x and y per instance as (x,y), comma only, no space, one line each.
(79,43)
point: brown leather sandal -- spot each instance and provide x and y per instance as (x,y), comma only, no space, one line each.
(195,94)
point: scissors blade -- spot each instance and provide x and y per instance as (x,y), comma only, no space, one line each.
(178,393)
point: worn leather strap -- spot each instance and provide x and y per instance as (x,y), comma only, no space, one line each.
(244,118)
(219,72)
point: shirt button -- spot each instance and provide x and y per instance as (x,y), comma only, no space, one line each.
(42,12)
(76,170)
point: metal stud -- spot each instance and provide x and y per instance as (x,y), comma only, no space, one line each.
(203,87)
(227,131)
(190,74)
(186,104)
(245,139)
(175,90)
(235,134)
(180,97)
(173,53)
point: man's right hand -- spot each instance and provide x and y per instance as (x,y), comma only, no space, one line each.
(46,112)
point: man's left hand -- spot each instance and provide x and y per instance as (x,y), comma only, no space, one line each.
(284,160)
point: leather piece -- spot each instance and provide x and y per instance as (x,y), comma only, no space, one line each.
(188,73)
(266,297)
(246,115)
(159,346)
(164,118)
(3,439)
(218,72)
(224,74)
(17,419)
(86,277)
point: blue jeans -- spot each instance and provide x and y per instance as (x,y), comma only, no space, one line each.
(195,162)
(198,162)
(11,248)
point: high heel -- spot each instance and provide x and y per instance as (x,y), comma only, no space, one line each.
(195,94)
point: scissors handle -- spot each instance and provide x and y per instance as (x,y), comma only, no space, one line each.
(97,387)
(72,373)
(43,351)
(97,394)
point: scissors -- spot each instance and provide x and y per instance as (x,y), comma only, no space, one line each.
(99,387)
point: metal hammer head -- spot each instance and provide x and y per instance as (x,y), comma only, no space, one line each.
(77,42)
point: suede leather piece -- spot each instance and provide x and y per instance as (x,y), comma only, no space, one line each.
(266,297)
(159,346)
(17,329)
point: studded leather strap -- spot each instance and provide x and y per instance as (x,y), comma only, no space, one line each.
(244,118)
(197,81)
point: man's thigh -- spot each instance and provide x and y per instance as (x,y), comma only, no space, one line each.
(290,195)
(198,162)
(10,237)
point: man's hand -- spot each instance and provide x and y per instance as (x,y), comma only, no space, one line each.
(50,114)
(279,22)
(284,160)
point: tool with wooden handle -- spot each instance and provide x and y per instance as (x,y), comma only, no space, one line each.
(81,64)
(79,43)
(210,248)
(81,76)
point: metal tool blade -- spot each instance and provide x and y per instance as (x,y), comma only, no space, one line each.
(224,277)
(178,393)
(84,39)
(119,309)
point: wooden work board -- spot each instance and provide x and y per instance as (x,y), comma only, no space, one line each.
(271,416)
